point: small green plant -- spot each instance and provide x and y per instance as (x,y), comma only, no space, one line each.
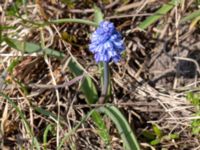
(194,98)
(157,136)
(13,10)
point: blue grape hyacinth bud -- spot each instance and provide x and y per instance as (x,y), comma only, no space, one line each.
(106,43)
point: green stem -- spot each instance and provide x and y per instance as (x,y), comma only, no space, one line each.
(69,20)
(105,83)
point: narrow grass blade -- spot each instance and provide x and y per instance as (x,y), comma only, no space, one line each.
(194,23)
(36,143)
(191,16)
(24,120)
(46,131)
(129,139)
(158,14)
(13,64)
(21,114)
(71,132)
(47,113)
(7,28)
(71,20)
(28,47)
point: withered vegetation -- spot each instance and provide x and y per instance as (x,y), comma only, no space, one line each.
(149,85)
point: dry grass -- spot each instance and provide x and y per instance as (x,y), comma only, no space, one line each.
(150,84)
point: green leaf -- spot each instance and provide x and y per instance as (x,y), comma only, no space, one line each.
(89,90)
(195,125)
(158,14)
(7,28)
(149,136)
(197,3)
(1,38)
(155,142)
(173,136)
(157,131)
(129,139)
(98,15)
(87,87)
(103,131)
(29,48)
(70,3)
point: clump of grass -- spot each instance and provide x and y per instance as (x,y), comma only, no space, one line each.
(157,136)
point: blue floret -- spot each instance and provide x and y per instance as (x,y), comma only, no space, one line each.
(106,43)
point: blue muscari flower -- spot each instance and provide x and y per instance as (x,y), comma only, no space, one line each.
(106,43)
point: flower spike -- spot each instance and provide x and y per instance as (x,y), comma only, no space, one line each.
(106,43)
